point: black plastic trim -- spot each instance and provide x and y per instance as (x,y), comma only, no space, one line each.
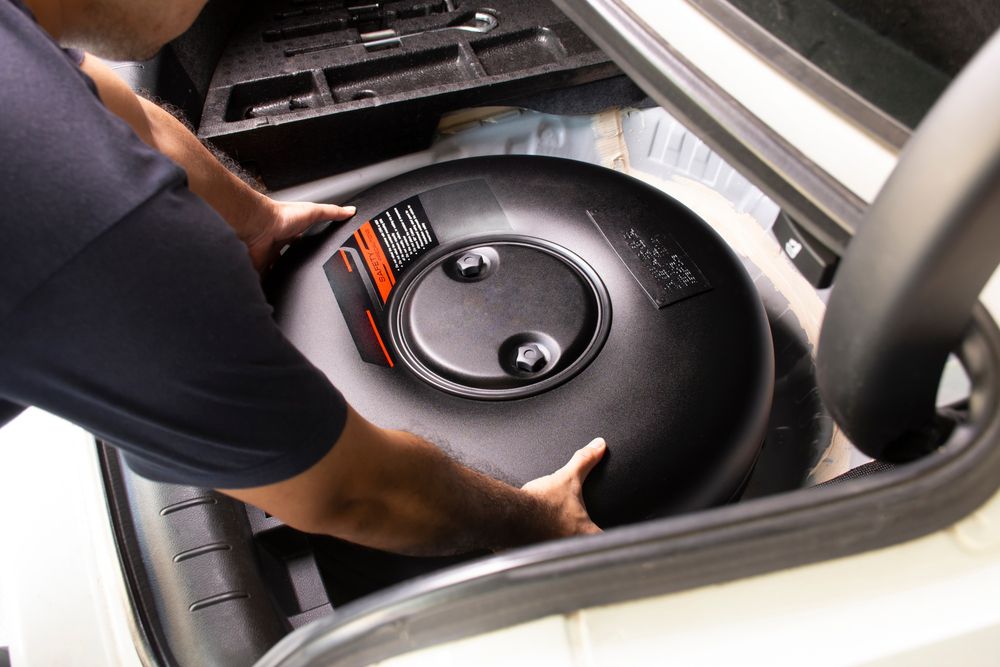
(904,290)
(818,201)
(814,261)
(150,644)
(689,551)
(192,576)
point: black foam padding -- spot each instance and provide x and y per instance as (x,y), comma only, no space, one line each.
(681,391)
(877,68)
(588,98)
(297,93)
(944,33)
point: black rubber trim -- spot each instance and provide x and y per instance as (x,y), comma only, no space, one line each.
(689,551)
(218,599)
(818,201)
(149,644)
(193,577)
(903,293)
(816,81)
(193,502)
(194,553)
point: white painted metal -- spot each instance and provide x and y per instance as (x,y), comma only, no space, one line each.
(62,599)
(62,594)
(927,602)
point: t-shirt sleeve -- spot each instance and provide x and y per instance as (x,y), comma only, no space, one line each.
(75,55)
(157,337)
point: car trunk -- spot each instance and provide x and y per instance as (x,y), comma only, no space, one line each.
(299,90)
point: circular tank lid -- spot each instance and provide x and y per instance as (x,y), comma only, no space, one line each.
(502,318)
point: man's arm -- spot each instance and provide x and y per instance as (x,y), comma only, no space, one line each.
(394,491)
(385,489)
(263,224)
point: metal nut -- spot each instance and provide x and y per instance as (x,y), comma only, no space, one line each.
(530,358)
(470,265)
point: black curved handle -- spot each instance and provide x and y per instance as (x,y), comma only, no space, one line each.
(906,287)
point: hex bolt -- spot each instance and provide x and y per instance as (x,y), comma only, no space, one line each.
(530,358)
(470,265)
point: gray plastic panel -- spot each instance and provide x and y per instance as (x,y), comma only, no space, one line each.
(906,288)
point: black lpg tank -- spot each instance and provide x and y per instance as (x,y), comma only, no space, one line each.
(510,309)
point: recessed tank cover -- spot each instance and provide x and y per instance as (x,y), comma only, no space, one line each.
(501,318)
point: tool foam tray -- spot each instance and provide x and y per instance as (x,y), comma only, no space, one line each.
(304,88)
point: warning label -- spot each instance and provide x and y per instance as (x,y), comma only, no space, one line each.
(375,259)
(365,269)
(392,240)
(405,232)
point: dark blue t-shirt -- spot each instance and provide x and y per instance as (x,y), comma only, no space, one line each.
(127,305)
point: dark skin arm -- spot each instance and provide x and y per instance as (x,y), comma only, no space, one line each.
(394,491)
(265,225)
(381,488)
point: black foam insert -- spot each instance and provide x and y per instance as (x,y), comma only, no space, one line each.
(899,55)
(299,92)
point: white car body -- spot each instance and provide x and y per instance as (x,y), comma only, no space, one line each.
(927,601)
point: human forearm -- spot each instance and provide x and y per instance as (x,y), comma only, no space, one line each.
(395,491)
(229,196)
(265,225)
(425,503)
(238,203)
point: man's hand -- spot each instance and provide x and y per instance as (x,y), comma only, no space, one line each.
(279,223)
(562,491)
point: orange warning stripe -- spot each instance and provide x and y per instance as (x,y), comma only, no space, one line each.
(378,337)
(378,263)
(346,263)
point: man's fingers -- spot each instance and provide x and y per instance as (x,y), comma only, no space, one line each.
(585,458)
(313,213)
(335,212)
(316,218)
